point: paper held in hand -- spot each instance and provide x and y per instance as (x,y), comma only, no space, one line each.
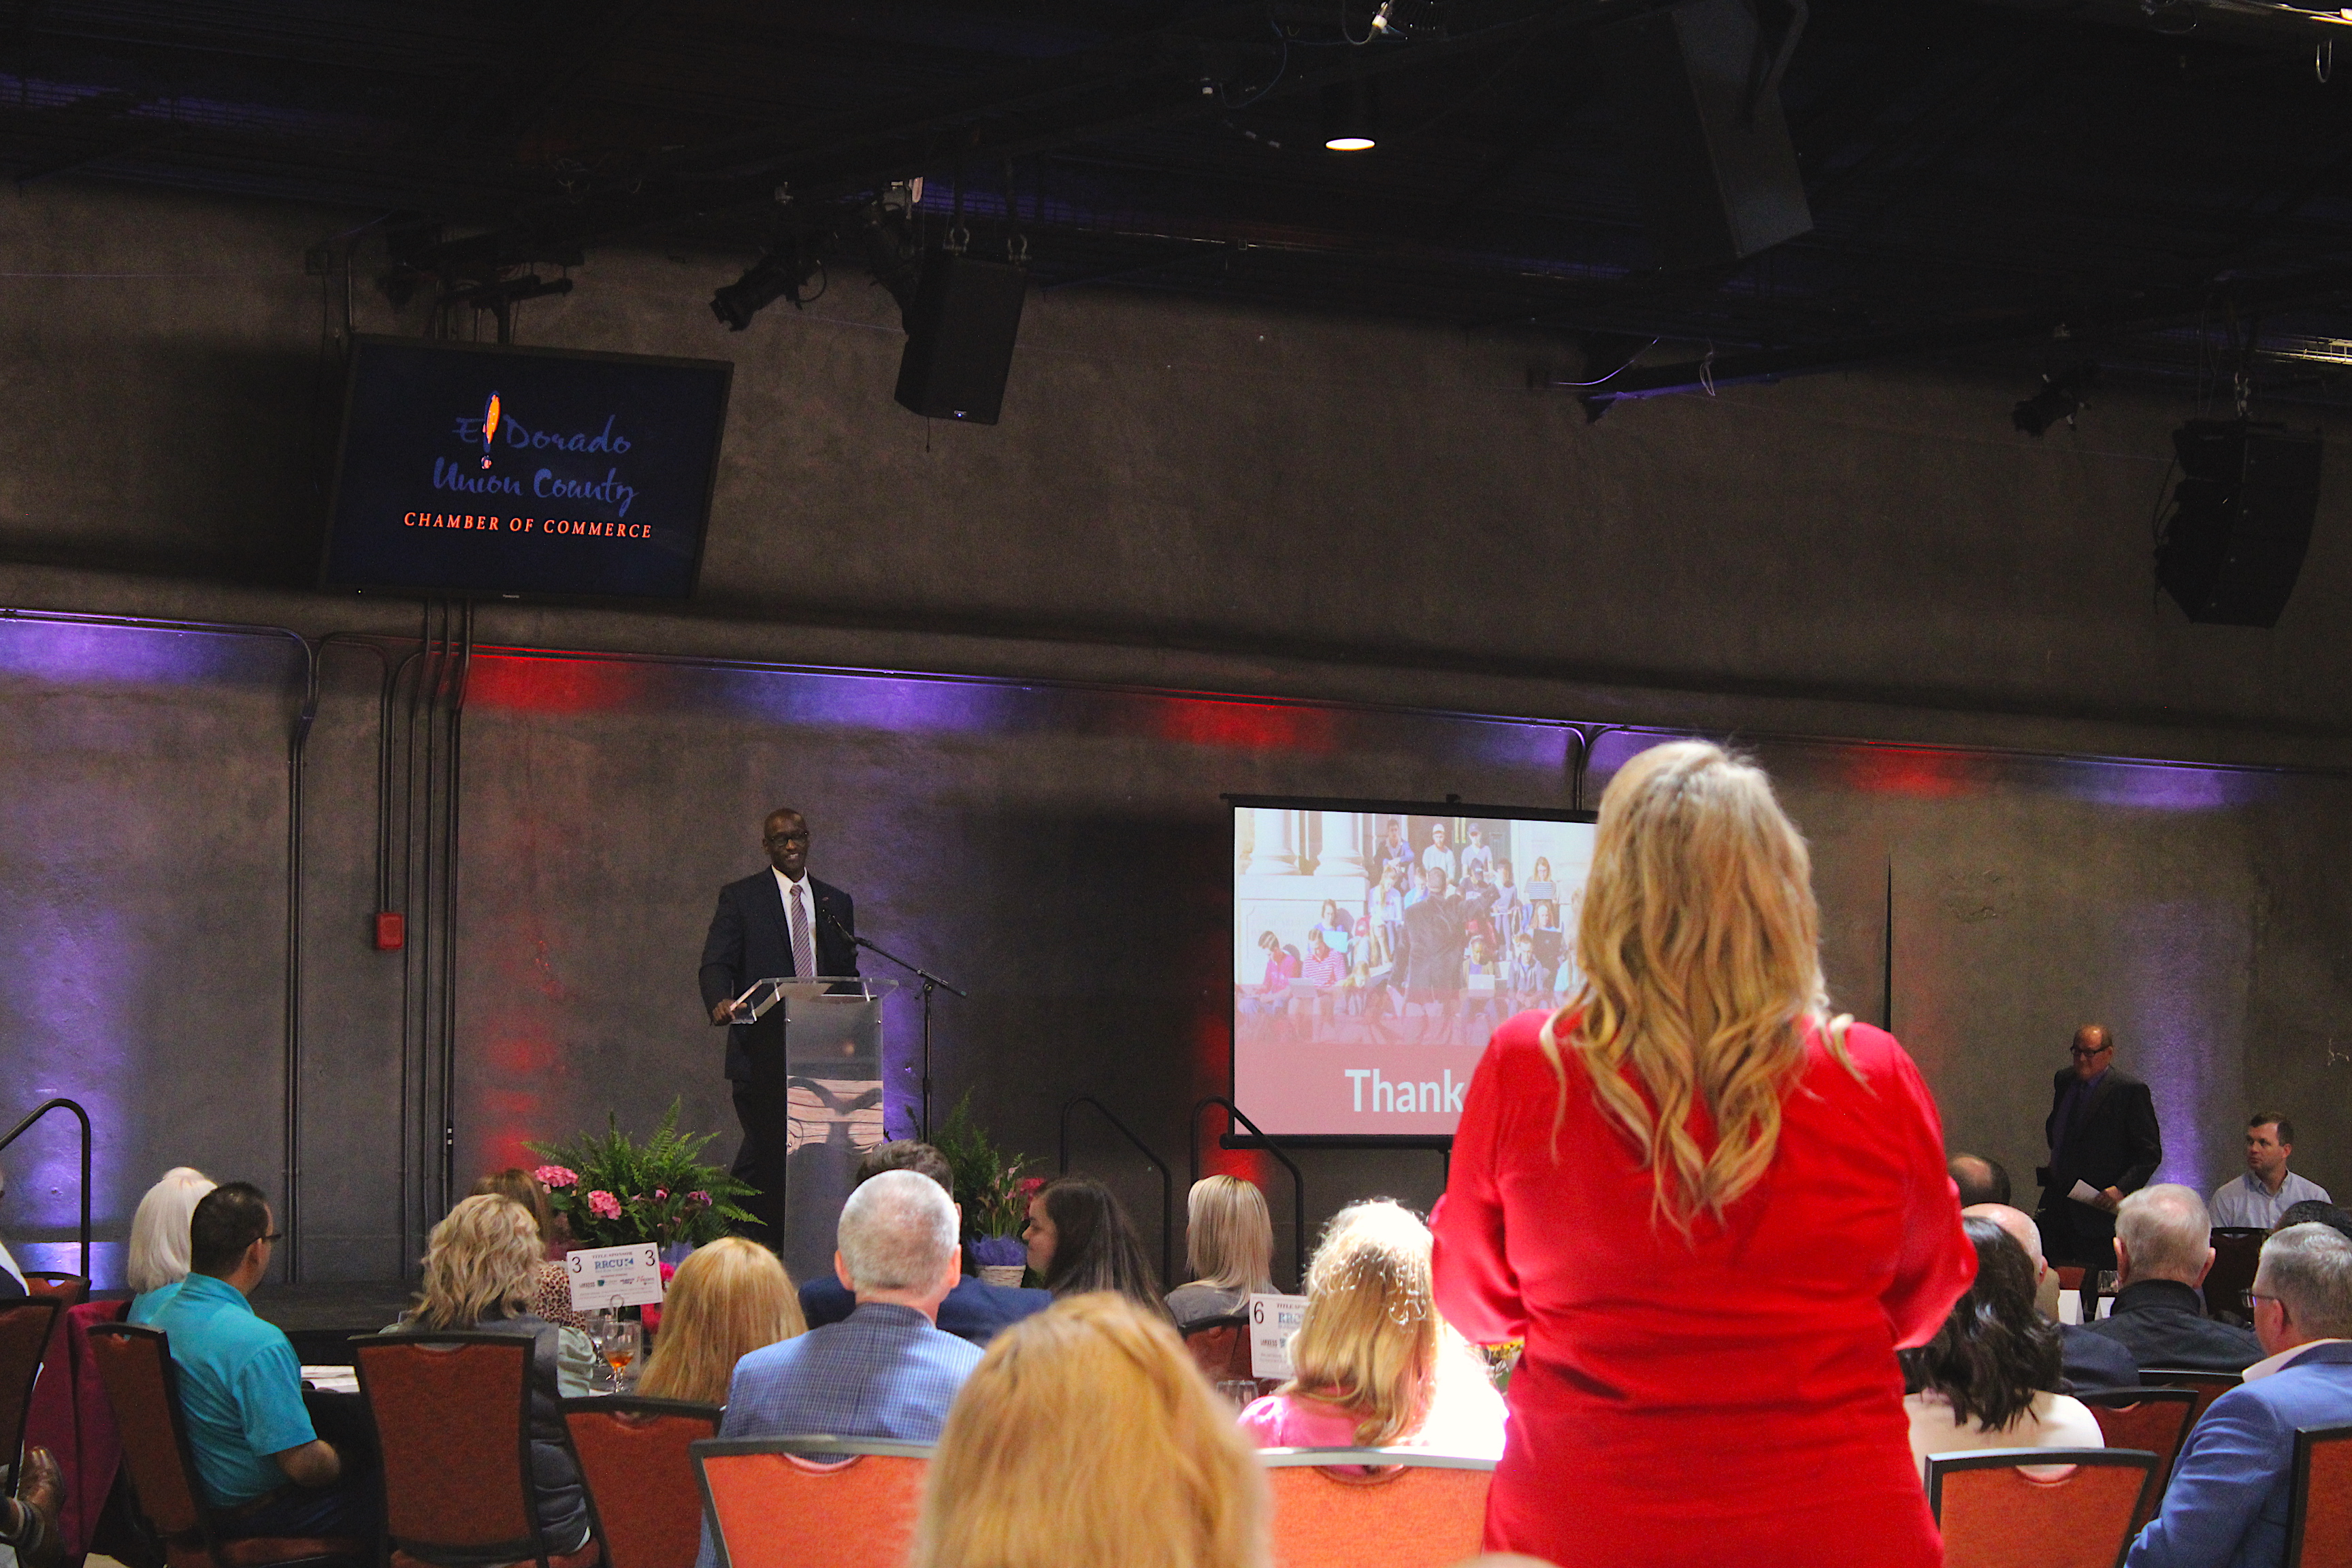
(1272,1321)
(2088,1196)
(605,1277)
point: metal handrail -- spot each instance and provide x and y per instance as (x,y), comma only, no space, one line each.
(1297,1181)
(1167,1176)
(82,1116)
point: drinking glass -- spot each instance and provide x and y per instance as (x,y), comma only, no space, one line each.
(624,1339)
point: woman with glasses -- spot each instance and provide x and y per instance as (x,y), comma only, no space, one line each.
(1712,1209)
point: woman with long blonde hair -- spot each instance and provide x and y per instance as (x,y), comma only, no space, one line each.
(1372,1365)
(481,1266)
(727,1300)
(1713,1210)
(1228,1250)
(1085,1439)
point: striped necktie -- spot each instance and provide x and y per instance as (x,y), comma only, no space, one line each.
(803,948)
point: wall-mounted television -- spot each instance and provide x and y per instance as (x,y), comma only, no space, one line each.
(1376,946)
(467,468)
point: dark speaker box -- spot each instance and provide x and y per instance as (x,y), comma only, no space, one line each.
(959,333)
(1716,185)
(2241,521)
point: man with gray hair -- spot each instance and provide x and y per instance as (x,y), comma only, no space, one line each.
(2162,1251)
(2089,1362)
(887,1370)
(2227,1502)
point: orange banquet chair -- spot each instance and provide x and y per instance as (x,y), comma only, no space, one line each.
(2156,1419)
(67,1290)
(143,1386)
(636,1458)
(2207,1386)
(1398,1508)
(1994,1515)
(452,1414)
(24,1327)
(2319,1509)
(811,1502)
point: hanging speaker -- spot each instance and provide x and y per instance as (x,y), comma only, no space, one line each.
(1699,108)
(2241,520)
(960,333)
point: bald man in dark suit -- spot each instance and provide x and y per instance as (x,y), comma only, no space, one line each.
(2103,1132)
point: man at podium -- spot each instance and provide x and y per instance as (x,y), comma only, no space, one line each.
(780,922)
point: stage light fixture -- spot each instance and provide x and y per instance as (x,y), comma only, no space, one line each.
(781,273)
(1349,116)
(2061,397)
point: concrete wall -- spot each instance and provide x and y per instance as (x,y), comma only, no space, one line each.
(1377,521)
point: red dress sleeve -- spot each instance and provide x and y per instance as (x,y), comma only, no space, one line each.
(1478,1291)
(1936,1262)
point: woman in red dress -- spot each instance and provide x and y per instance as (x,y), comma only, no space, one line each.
(1711,1210)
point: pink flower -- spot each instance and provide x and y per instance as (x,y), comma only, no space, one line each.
(557,1176)
(1029,1187)
(702,1198)
(661,1193)
(668,1272)
(604,1204)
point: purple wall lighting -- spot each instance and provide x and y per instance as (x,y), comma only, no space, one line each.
(894,703)
(66,652)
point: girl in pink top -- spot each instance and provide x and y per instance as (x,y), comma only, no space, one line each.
(1374,1365)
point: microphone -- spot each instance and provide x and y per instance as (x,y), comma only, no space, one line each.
(848,935)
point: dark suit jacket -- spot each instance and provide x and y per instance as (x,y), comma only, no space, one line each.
(2163,1324)
(974,1309)
(749,942)
(2114,1144)
(1429,957)
(2095,1364)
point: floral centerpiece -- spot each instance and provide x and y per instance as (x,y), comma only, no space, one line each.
(994,1194)
(615,1191)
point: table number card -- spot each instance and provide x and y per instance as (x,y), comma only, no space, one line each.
(614,1277)
(1272,1321)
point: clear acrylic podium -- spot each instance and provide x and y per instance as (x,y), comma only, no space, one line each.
(816,1081)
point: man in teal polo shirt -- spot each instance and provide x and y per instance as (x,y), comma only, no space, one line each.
(264,1468)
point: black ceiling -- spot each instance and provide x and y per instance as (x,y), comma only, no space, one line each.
(2159,176)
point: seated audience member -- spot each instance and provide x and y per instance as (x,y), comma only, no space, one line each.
(263,1468)
(2091,1364)
(886,1371)
(2328,1214)
(551,1295)
(1228,1249)
(974,1309)
(1080,1239)
(1989,1377)
(481,1267)
(1324,967)
(1372,1363)
(1526,980)
(1980,1180)
(1272,993)
(1086,1439)
(2227,1501)
(159,1240)
(728,1299)
(2266,1189)
(28,1522)
(2161,1256)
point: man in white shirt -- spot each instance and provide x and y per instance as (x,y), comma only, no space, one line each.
(2268,1189)
(1440,856)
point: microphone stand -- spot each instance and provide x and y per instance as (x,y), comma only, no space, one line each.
(930,982)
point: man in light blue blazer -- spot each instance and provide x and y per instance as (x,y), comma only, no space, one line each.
(885,1371)
(2227,1504)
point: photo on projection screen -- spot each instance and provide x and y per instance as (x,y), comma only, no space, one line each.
(1377,944)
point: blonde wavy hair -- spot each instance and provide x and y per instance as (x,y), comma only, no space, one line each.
(1700,947)
(1228,1235)
(481,1262)
(1087,1439)
(728,1299)
(1372,1343)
